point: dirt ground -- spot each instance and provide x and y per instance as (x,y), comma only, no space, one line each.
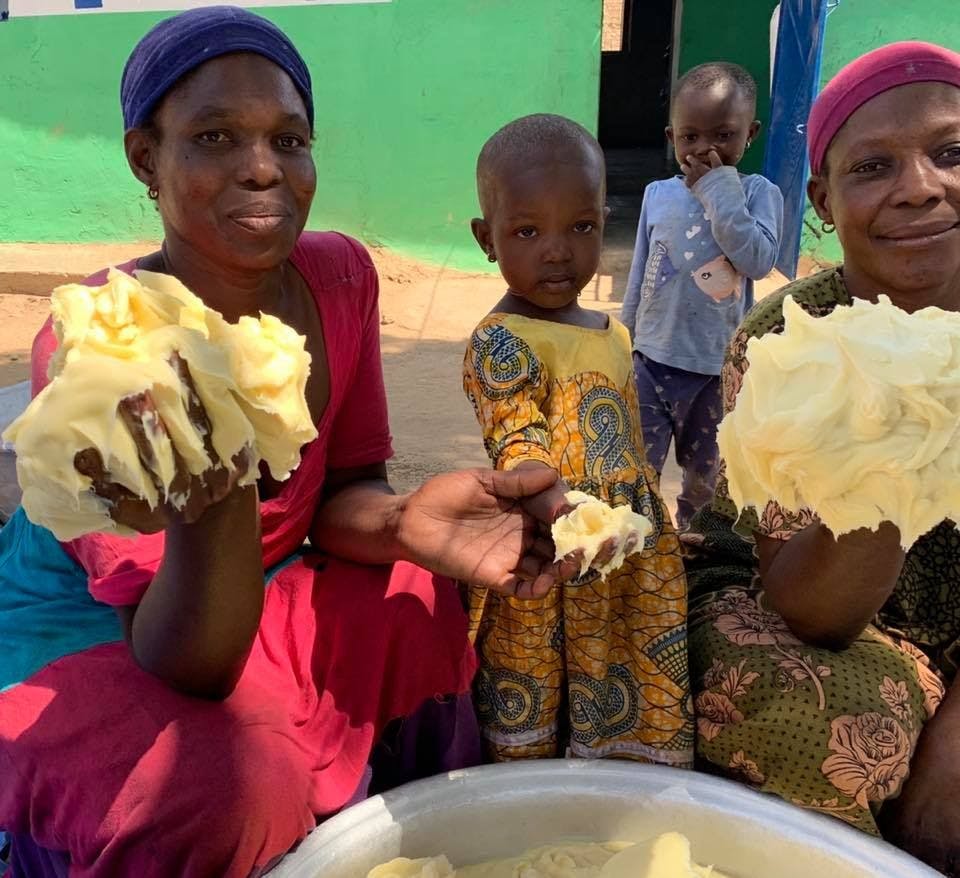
(427,315)
(20,318)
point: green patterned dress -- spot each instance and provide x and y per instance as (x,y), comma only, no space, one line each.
(831,731)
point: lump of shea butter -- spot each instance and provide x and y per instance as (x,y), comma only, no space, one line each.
(853,415)
(667,856)
(116,341)
(591,523)
(402,867)
(268,362)
(583,860)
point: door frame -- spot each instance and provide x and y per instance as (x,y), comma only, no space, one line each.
(674,68)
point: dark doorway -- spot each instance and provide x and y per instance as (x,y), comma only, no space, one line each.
(635,72)
(635,75)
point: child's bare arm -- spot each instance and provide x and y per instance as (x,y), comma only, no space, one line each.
(746,226)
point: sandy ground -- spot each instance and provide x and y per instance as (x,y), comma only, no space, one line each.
(427,315)
(20,318)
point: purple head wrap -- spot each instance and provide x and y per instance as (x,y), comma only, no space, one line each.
(178,45)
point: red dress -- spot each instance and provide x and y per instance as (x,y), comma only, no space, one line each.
(130,778)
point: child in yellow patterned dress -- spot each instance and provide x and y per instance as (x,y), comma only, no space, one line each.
(598,667)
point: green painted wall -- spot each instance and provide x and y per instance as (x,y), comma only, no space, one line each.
(406,93)
(857,26)
(738,32)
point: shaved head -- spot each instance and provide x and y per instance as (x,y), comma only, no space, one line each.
(728,77)
(532,140)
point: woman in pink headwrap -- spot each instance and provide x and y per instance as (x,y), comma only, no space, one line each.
(823,667)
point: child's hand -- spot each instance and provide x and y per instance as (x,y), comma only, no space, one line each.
(546,507)
(694,169)
(608,548)
(549,505)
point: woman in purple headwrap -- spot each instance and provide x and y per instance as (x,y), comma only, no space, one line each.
(162,712)
(829,679)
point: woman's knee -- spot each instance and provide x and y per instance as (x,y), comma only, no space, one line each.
(250,802)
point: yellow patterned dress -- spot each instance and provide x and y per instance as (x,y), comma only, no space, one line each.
(598,667)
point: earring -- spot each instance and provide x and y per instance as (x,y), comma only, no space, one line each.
(153,193)
(827,228)
(749,144)
(491,256)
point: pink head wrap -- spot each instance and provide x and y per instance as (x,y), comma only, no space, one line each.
(872,74)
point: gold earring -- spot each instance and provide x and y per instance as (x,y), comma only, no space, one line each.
(153,193)
(827,228)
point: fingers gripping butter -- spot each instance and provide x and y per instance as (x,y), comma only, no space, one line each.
(118,341)
(591,523)
(854,415)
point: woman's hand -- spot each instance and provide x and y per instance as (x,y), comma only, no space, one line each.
(197,619)
(828,588)
(141,419)
(471,525)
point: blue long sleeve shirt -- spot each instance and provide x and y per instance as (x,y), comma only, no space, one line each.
(698,252)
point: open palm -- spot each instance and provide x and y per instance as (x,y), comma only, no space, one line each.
(471,526)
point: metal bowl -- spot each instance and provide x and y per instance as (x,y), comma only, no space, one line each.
(501,810)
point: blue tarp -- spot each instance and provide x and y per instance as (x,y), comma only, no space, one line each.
(796,79)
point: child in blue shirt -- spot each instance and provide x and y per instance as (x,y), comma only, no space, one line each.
(704,237)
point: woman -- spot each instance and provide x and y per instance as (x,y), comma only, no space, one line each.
(827,679)
(233,714)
